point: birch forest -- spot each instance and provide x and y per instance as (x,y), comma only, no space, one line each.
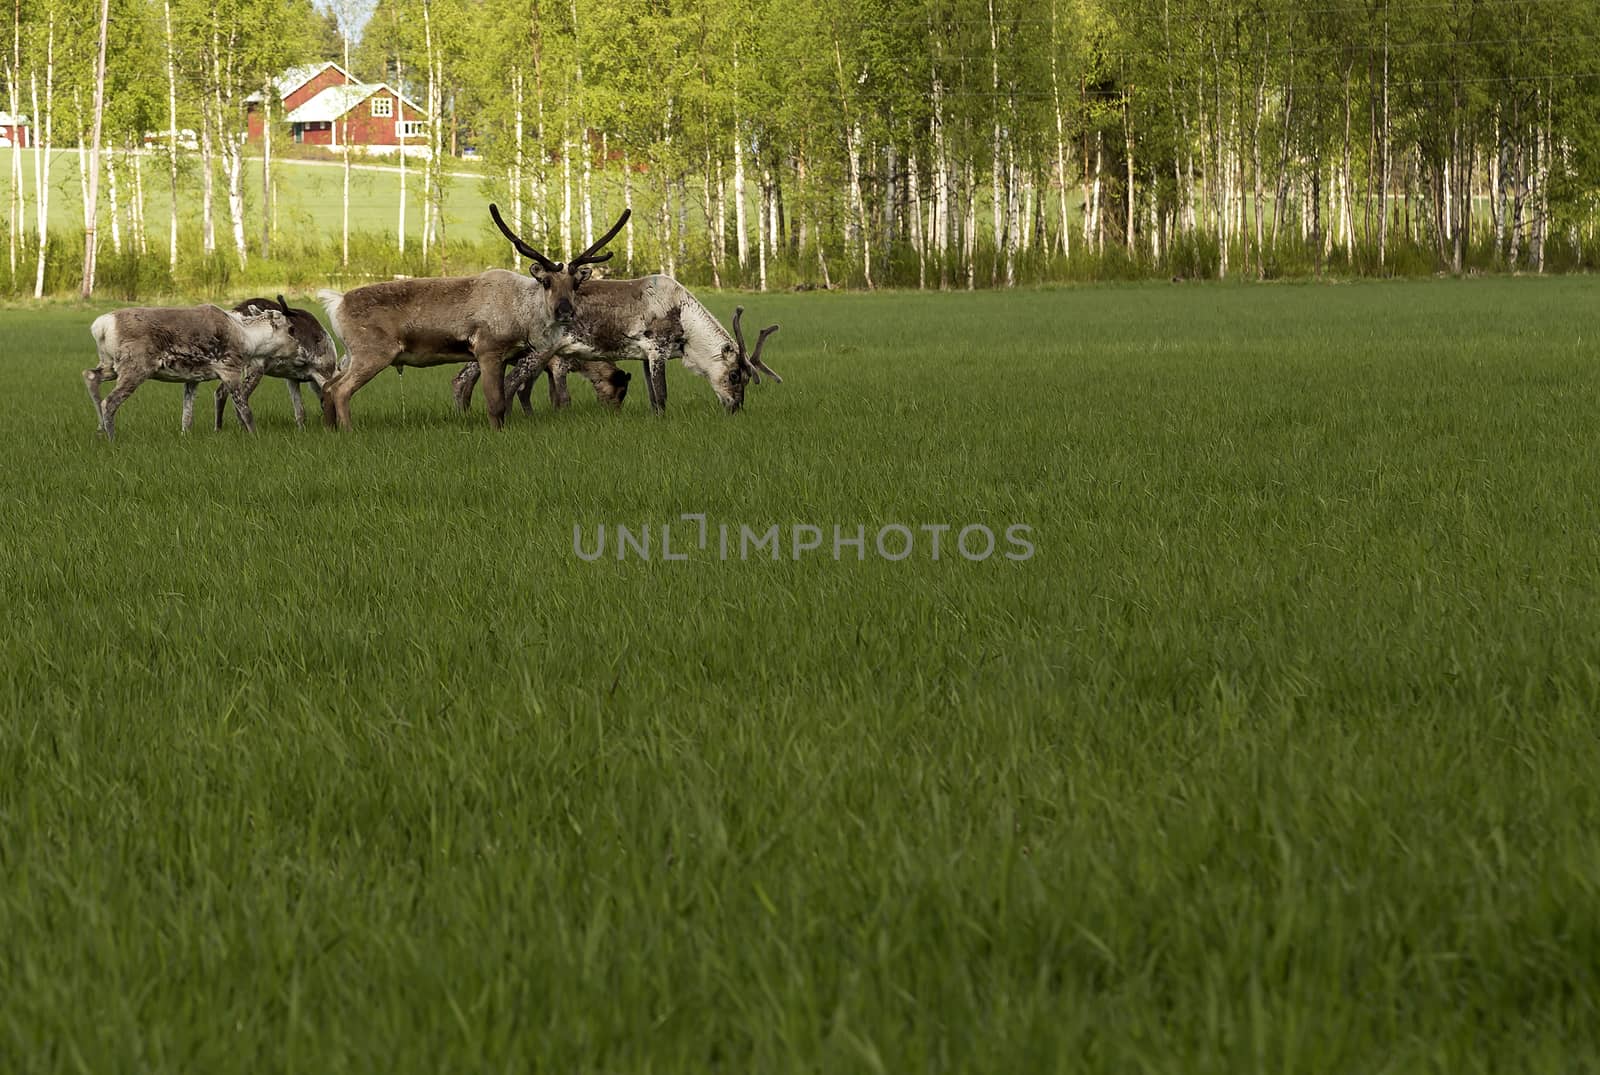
(831,144)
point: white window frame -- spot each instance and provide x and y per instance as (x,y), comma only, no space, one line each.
(413,128)
(388,107)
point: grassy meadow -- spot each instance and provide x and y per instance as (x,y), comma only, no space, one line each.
(327,753)
(309,192)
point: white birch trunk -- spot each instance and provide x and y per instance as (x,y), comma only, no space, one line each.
(741,235)
(18,205)
(91,207)
(711,202)
(941,188)
(42,147)
(516,163)
(1061,140)
(172,137)
(1127,134)
(233,162)
(972,225)
(913,182)
(762,209)
(566,195)
(719,197)
(344,195)
(115,202)
(267,90)
(858,204)
(400,221)
(208,233)
(141,233)
(627,203)
(997,196)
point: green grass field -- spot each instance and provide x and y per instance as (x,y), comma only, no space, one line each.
(327,753)
(310,195)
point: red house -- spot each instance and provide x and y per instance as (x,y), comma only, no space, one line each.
(14,131)
(325,105)
(358,114)
(295,87)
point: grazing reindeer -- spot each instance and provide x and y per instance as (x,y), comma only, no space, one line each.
(315,364)
(186,344)
(660,339)
(493,317)
(619,309)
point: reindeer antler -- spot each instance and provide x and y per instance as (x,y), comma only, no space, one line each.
(755,356)
(588,257)
(283,304)
(752,362)
(522,246)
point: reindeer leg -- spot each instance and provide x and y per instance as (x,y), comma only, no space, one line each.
(222,407)
(656,374)
(238,388)
(557,369)
(461,386)
(297,404)
(125,387)
(365,364)
(525,396)
(189,389)
(519,380)
(492,367)
(91,381)
(247,388)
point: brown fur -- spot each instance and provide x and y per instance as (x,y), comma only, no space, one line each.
(315,364)
(185,345)
(598,329)
(492,318)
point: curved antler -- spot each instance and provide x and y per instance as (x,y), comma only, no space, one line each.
(755,356)
(588,257)
(522,247)
(751,361)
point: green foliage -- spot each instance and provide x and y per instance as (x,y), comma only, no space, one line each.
(1167,127)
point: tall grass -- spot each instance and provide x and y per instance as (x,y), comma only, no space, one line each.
(326,753)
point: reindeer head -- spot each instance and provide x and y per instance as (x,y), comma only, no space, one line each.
(744,367)
(561,282)
(265,333)
(317,360)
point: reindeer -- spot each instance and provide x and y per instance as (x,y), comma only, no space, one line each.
(315,364)
(660,339)
(188,345)
(608,310)
(493,317)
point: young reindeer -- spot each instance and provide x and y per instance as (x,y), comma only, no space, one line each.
(187,344)
(492,318)
(660,339)
(315,364)
(619,309)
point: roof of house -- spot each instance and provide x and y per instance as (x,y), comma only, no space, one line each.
(333,102)
(295,77)
(8,120)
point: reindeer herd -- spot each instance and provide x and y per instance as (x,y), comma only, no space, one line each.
(511,330)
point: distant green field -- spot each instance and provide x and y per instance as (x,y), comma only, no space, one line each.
(310,194)
(327,752)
